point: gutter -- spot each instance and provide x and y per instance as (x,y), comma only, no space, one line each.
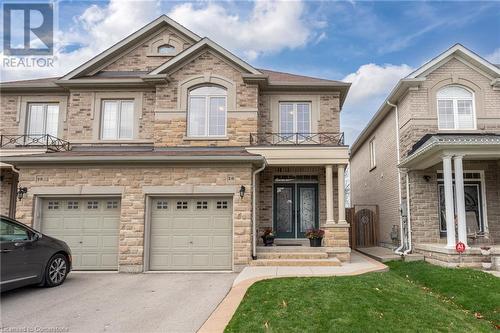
(118,159)
(398,250)
(254,209)
(408,250)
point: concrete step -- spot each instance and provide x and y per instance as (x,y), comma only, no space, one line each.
(292,249)
(296,262)
(413,257)
(292,255)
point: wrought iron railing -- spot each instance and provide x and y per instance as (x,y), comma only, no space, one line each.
(266,139)
(46,141)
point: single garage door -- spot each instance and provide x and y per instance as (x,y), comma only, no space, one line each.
(90,227)
(191,234)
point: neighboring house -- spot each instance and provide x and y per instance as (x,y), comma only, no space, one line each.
(439,130)
(167,152)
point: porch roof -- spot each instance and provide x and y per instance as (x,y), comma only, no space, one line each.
(429,150)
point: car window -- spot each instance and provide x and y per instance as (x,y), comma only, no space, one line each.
(10,232)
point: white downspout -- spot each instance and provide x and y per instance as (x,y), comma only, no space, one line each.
(398,250)
(254,209)
(408,250)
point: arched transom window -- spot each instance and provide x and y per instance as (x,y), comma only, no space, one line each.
(166,49)
(207,110)
(455,106)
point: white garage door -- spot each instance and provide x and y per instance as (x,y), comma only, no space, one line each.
(90,227)
(191,234)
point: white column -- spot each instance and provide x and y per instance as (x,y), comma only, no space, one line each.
(448,202)
(340,185)
(329,194)
(460,199)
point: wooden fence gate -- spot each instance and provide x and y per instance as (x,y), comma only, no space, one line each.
(364,225)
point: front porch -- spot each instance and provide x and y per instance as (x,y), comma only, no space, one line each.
(453,188)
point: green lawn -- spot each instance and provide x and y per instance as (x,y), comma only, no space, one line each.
(374,302)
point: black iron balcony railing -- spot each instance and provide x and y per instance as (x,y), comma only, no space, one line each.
(266,139)
(46,141)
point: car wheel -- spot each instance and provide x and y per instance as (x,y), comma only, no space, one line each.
(56,270)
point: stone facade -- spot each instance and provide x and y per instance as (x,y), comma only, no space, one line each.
(417,111)
(133,180)
(7,186)
(161,120)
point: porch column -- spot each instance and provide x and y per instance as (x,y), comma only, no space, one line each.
(340,185)
(460,199)
(329,194)
(448,202)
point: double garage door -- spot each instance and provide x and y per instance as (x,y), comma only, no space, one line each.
(191,234)
(185,233)
(90,227)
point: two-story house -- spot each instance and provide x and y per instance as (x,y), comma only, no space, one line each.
(168,152)
(430,159)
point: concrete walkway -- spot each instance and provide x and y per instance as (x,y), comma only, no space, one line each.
(219,319)
(379,253)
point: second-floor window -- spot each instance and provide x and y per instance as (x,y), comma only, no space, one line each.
(455,107)
(373,160)
(295,117)
(117,120)
(43,118)
(207,111)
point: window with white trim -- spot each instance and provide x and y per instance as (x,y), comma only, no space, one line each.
(207,111)
(117,119)
(455,107)
(295,118)
(373,161)
(43,118)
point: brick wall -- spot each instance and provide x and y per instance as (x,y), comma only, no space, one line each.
(9,105)
(132,207)
(417,110)
(380,185)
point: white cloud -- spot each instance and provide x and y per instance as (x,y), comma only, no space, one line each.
(96,29)
(494,57)
(270,27)
(372,80)
(371,84)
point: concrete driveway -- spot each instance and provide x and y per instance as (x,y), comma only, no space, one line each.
(112,302)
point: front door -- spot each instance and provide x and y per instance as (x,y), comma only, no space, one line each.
(295,209)
(473,207)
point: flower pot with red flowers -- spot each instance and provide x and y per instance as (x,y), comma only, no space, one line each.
(268,237)
(315,237)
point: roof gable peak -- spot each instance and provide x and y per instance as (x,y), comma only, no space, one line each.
(125,44)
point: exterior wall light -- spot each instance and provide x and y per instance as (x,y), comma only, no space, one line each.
(427,178)
(242,191)
(21,191)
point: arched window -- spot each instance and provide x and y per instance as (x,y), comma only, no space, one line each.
(207,109)
(166,49)
(455,106)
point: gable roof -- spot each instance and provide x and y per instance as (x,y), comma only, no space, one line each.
(462,52)
(126,43)
(195,49)
(416,77)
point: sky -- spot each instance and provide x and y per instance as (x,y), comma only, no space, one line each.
(371,44)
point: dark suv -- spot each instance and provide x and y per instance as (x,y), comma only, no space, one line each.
(30,257)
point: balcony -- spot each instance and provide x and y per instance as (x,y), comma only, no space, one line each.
(295,139)
(36,141)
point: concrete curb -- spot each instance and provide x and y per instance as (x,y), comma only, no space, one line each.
(221,316)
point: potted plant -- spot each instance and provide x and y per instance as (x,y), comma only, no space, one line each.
(268,237)
(315,237)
